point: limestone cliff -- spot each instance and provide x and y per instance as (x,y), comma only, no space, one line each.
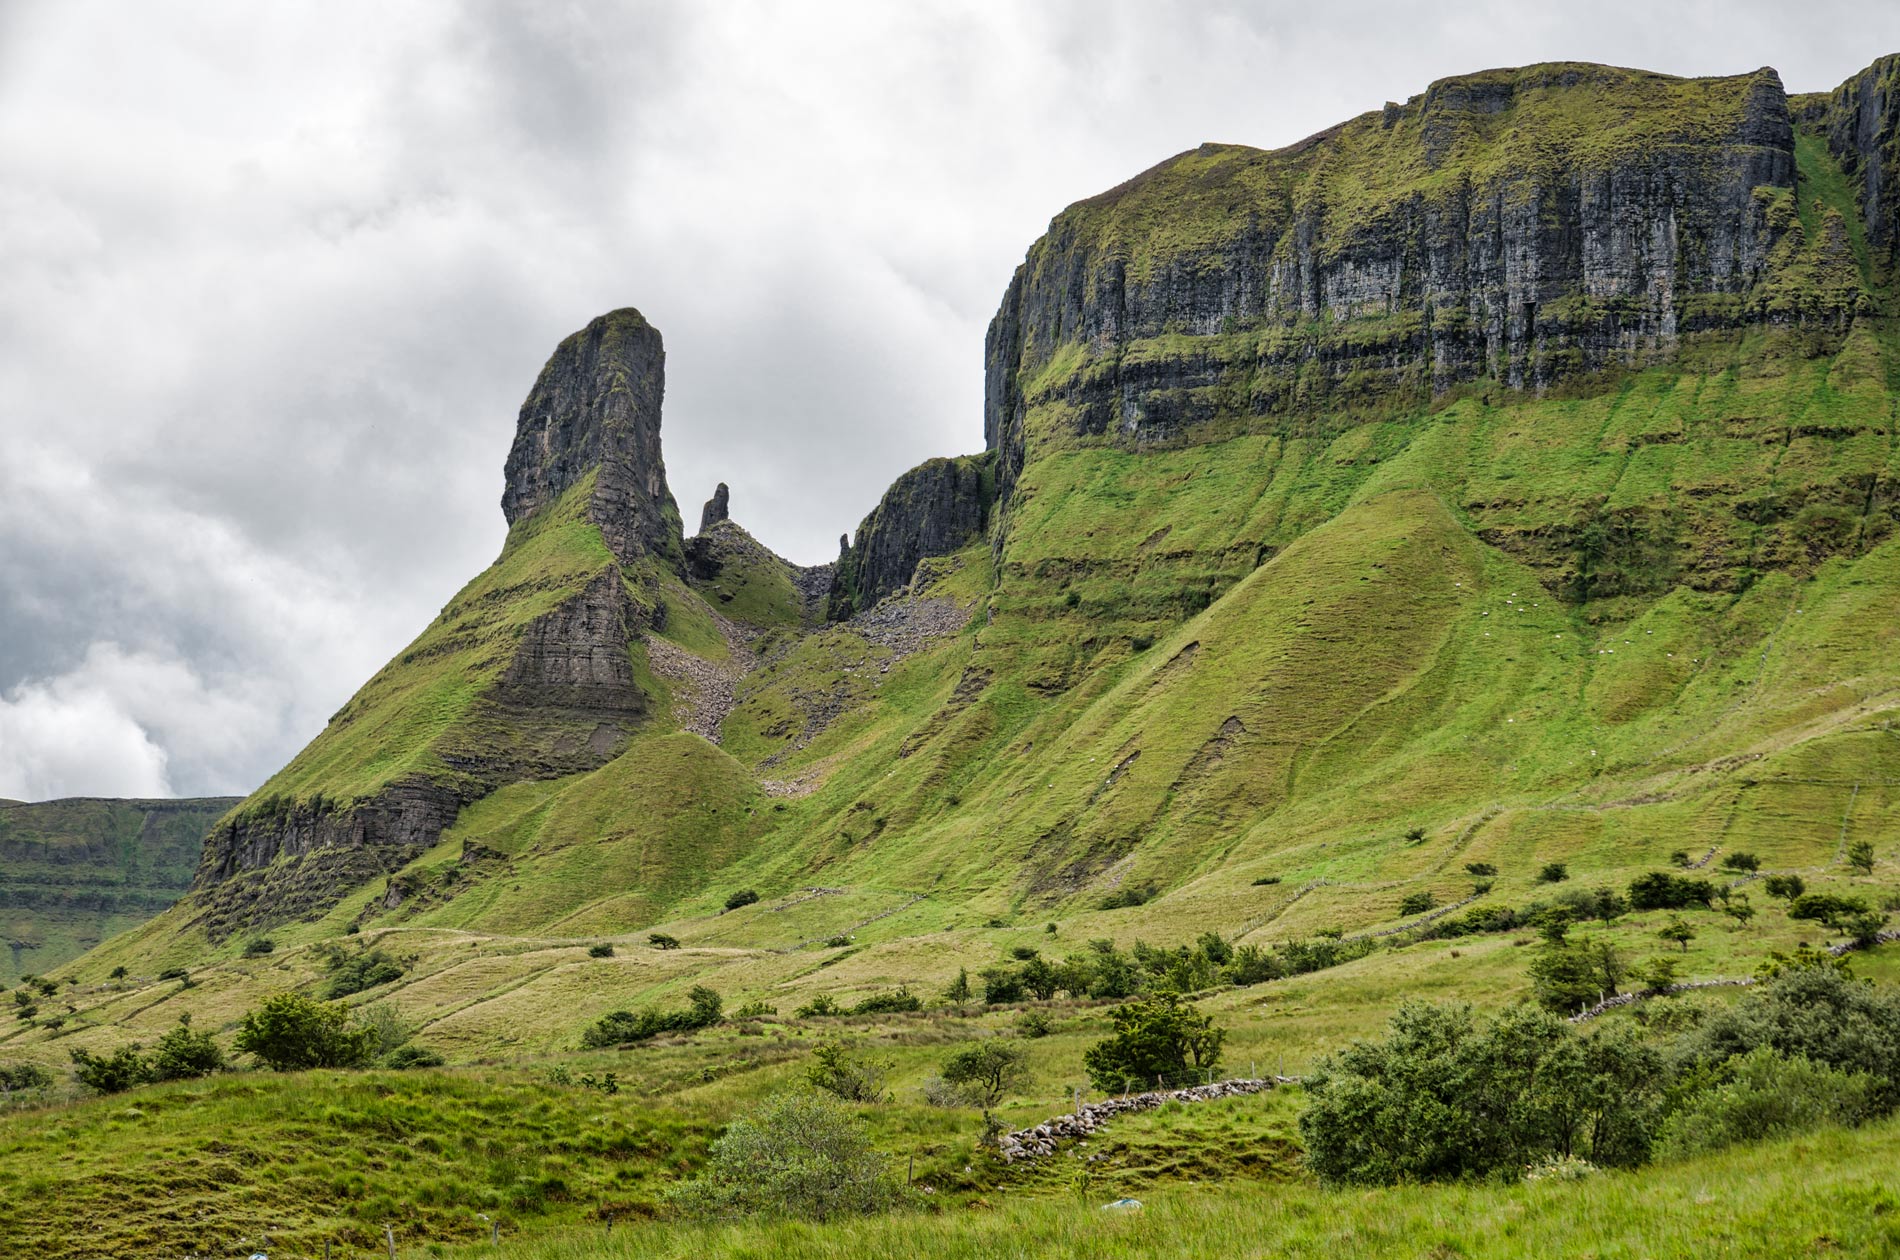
(596,409)
(932,510)
(1523,227)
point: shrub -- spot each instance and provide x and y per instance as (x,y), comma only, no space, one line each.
(116,1072)
(1678,931)
(1568,974)
(820,1007)
(839,1068)
(118,973)
(660,940)
(1416,835)
(837,942)
(1825,908)
(1860,856)
(619,1028)
(758,1008)
(259,947)
(801,1155)
(1266,881)
(175,973)
(1786,887)
(20,1078)
(1598,903)
(1416,903)
(602,950)
(1809,1007)
(1553,873)
(1480,869)
(354,974)
(1446,1094)
(1023,953)
(1660,890)
(1679,857)
(1002,984)
(1033,1024)
(386,1028)
(1123,898)
(1657,973)
(744,897)
(290,1032)
(182,1054)
(1761,1095)
(404,1058)
(1739,861)
(898,1001)
(941,1093)
(958,990)
(1156,1038)
(1041,978)
(988,1071)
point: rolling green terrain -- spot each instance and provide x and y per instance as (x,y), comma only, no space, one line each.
(1373,529)
(75,872)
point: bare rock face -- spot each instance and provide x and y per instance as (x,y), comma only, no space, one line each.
(597,405)
(717,509)
(1862,121)
(932,510)
(1412,249)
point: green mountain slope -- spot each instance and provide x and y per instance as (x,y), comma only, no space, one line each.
(1508,477)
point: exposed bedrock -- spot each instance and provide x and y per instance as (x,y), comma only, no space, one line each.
(932,510)
(597,404)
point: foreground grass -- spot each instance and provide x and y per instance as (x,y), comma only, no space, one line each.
(1824,1194)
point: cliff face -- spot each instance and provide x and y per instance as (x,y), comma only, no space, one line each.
(1861,119)
(932,510)
(1519,226)
(596,408)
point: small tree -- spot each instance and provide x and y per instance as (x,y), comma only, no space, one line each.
(959,989)
(291,1032)
(1481,869)
(1739,861)
(19,1078)
(1657,973)
(1738,909)
(118,973)
(1159,1037)
(602,950)
(114,1073)
(1678,931)
(837,1067)
(1860,856)
(1553,873)
(744,897)
(1786,887)
(182,1054)
(801,1155)
(1679,857)
(660,940)
(988,1072)
(1416,903)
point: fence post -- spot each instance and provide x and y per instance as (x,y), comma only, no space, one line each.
(494,1235)
(389,1233)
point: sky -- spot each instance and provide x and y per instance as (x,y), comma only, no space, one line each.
(276,279)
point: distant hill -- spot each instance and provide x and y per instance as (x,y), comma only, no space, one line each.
(73,872)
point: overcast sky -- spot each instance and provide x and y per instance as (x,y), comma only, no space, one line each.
(274,279)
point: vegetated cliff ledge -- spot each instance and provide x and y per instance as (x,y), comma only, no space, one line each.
(1526,227)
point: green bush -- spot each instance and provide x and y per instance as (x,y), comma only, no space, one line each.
(259,947)
(1786,887)
(820,1007)
(1159,1038)
(1003,984)
(1480,869)
(1033,1024)
(1553,873)
(1447,1095)
(1023,953)
(1124,898)
(1266,881)
(1825,908)
(1416,903)
(1761,1095)
(1739,861)
(618,1028)
(1660,890)
(121,1070)
(660,940)
(354,973)
(744,897)
(1567,974)
(20,1078)
(290,1032)
(839,1068)
(182,1054)
(897,1001)
(801,1155)
(404,1058)
(602,950)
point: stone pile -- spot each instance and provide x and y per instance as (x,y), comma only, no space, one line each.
(1041,1140)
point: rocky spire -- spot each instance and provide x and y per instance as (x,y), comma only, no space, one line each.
(716,509)
(596,406)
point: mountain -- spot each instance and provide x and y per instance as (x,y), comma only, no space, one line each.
(74,872)
(1507,476)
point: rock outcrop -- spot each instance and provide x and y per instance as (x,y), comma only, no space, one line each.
(1517,226)
(596,409)
(1862,122)
(718,508)
(932,510)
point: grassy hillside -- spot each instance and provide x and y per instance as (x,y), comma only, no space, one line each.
(76,872)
